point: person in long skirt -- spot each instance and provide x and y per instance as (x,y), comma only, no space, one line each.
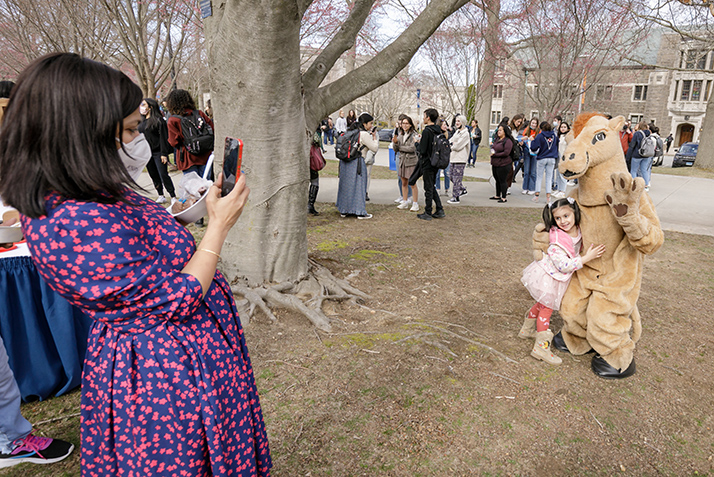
(352,187)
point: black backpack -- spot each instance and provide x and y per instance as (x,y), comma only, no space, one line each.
(347,146)
(197,134)
(441,152)
(516,152)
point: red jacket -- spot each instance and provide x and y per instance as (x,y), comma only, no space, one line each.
(185,159)
(625,138)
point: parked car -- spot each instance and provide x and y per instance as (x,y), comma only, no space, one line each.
(686,155)
(385,134)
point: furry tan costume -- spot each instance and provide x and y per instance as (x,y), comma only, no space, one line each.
(599,308)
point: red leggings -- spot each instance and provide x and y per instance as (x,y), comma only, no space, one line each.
(541,314)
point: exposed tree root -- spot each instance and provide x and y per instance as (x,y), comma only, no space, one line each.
(306,297)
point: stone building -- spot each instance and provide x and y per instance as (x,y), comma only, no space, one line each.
(673,94)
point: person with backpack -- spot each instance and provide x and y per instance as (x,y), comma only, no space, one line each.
(425,168)
(460,143)
(156,132)
(658,157)
(545,147)
(446,130)
(501,161)
(351,150)
(190,133)
(640,153)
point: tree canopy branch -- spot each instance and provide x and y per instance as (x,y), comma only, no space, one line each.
(385,65)
(343,41)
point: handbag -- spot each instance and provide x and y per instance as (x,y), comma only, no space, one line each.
(317,162)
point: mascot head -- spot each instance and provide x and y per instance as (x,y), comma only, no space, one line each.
(594,140)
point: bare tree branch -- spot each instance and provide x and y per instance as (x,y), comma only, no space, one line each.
(343,41)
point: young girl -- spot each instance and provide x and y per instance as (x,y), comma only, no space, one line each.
(547,279)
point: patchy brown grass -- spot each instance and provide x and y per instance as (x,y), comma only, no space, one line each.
(402,387)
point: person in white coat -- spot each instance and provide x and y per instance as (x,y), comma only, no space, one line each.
(460,146)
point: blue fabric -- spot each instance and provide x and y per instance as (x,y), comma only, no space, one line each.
(641,167)
(529,171)
(545,145)
(352,188)
(45,337)
(545,166)
(12,425)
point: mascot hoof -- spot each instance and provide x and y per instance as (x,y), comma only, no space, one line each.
(559,343)
(604,370)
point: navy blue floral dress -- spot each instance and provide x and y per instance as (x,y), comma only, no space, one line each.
(168,388)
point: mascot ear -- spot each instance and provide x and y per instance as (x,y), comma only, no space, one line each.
(617,122)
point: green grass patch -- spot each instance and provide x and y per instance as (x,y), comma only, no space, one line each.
(370,255)
(329,246)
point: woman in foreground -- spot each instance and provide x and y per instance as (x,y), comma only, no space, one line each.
(167,387)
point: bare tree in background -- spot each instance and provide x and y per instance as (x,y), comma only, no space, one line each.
(693,21)
(132,35)
(567,46)
(256,74)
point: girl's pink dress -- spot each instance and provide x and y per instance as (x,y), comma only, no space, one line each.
(548,278)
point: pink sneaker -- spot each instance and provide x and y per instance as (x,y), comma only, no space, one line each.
(36,450)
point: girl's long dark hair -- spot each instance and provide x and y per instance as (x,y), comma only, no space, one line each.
(59,133)
(155,118)
(548,218)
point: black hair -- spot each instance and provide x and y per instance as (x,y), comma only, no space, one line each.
(178,101)
(5,88)
(155,118)
(548,218)
(546,126)
(432,114)
(73,154)
(507,132)
(409,120)
(559,125)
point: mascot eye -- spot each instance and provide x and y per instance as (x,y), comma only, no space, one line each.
(599,137)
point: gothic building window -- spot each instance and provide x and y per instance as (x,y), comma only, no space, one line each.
(639,93)
(604,92)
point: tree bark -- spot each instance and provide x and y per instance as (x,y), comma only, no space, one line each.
(254,58)
(705,155)
(260,97)
(487,68)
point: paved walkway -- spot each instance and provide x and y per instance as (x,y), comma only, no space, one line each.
(684,204)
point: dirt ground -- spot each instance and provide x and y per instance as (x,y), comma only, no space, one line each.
(406,386)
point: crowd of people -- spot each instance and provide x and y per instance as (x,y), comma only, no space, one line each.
(529,146)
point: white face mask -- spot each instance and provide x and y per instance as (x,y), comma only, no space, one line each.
(135,155)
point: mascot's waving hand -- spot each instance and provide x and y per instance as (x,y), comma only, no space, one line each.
(599,309)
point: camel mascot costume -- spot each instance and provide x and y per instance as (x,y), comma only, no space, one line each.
(599,309)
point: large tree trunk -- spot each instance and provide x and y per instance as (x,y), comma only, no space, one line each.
(261,97)
(487,68)
(705,155)
(255,54)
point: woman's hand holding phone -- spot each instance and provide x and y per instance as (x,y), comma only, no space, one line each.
(223,212)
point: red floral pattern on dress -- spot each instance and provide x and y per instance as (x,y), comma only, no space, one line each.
(168,388)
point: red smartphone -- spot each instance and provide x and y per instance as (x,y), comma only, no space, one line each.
(232,160)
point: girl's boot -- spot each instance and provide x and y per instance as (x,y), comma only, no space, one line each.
(542,350)
(528,330)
